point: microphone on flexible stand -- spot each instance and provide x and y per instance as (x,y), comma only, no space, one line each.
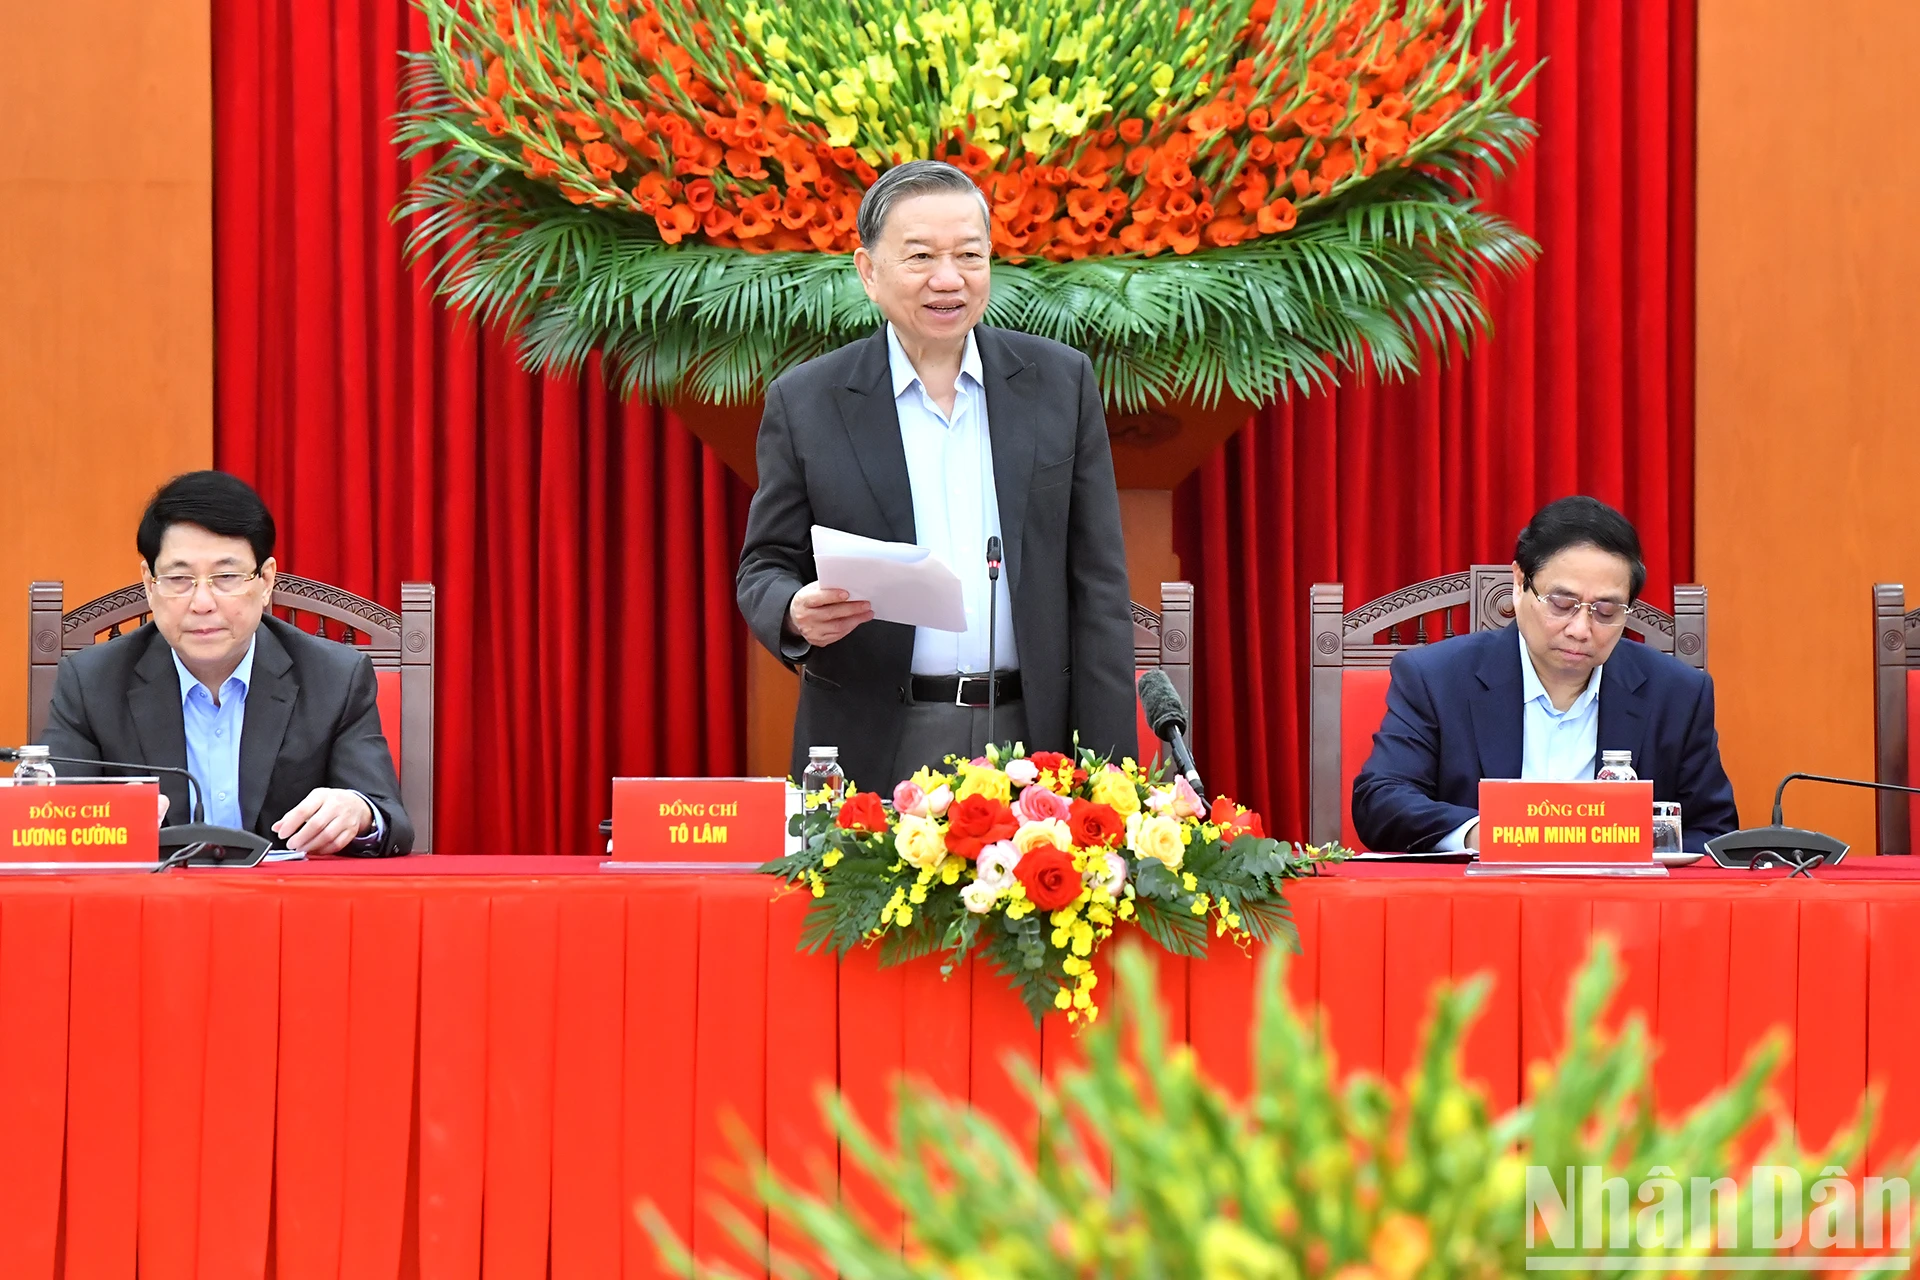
(993,632)
(193,841)
(1167,716)
(1779,845)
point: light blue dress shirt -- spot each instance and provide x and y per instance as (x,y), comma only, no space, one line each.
(955,507)
(213,746)
(1556,746)
(213,737)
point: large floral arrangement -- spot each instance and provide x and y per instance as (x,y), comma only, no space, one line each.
(1033,861)
(1149,1169)
(1228,197)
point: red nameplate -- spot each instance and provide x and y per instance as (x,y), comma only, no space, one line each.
(1566,821)
(80,822)
(699,819)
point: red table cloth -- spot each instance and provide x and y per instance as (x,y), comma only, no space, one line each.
(454,1067)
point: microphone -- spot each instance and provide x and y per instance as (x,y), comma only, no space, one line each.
(993,632)
(196,841)
(1778,845)
(1167,716)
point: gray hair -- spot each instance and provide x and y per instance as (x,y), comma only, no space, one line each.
(905,181)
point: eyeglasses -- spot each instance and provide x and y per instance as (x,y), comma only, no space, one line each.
(177,585)
(1563,608)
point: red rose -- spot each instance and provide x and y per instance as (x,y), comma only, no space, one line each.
(1095,826)
(1049,878)
(1047,761)
(976,822)
(863,811)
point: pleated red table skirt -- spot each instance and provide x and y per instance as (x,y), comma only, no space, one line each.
(415,1070)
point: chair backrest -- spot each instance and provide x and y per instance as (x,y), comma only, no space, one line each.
(1896,699)
(1163,638)
(1353,650)
(400,647)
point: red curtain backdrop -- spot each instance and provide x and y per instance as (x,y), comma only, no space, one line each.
(583,550)
(1586,386)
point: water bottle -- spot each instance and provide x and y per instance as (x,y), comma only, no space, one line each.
(1616,766)
(33,768)
(822,783)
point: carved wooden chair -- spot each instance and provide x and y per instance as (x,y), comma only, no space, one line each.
(399,645)
(1896,699)
(1352,651)
(1164,639)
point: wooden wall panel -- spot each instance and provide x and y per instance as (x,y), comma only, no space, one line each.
(1809,410)
(106,291)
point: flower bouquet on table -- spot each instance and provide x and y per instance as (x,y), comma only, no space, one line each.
(1032,860)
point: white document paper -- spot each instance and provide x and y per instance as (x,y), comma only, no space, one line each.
(904,583)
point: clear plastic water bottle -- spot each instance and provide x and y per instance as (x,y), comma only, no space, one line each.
(1616,766)
(822,783)
(33,768)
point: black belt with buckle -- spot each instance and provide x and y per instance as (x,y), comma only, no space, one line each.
(967,691)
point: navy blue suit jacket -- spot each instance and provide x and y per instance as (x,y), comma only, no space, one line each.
(1454,717)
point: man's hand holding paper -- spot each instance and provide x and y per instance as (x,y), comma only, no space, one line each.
(901,582)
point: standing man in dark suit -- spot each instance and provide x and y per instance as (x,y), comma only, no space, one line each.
(1541,700)
(942,431)
(279,727)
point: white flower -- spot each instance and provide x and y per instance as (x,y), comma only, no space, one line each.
(1114,881)
(995,865)
(1022,772)
(938,799)
(980,896)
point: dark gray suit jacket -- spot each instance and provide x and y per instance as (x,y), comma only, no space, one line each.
(311,721)
(830,453)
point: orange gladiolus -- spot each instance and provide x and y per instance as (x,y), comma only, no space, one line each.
(1083,206)
(1276,217)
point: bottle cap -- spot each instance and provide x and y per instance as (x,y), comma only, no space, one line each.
(829,753)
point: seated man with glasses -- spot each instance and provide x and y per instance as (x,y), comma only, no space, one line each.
(1541,700)
(279,727)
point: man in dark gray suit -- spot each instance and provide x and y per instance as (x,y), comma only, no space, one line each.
(280,728)
(942,431)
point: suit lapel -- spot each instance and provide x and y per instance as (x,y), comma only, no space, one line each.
(1497,728)
(1009,397)
(270,701)
(159,723)
(1623,707)
(873,430)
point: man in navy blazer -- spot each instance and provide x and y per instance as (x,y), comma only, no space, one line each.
(1543,698)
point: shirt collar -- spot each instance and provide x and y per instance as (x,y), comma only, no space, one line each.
(1531,689)
(905,376)
(242,673)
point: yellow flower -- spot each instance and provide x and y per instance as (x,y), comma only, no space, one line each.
(840,129)
(1158,837)
(777,47)
(1401,1246)
(1117,791)
(1161,80)
(1039,835)
(921,842)
(930,780)
(983,780)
